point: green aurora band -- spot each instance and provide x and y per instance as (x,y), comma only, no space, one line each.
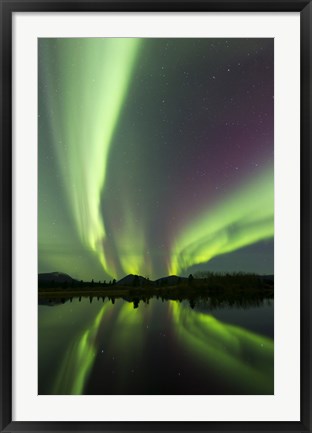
(130,243)
(83,134)
(246,217)
(87,82)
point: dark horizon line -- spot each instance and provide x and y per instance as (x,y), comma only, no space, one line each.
(195,275)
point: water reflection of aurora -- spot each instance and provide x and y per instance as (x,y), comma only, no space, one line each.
(242,358)
(245,358)
(78,361)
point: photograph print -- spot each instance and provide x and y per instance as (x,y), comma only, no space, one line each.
(155,216)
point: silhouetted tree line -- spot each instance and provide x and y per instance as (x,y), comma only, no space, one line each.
(74,284)
(203,283)
(233,281)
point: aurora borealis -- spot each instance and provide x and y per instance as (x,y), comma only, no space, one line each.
(155,156)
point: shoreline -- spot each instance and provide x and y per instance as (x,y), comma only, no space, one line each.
(149,292)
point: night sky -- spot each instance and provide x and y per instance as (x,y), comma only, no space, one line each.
(155,156)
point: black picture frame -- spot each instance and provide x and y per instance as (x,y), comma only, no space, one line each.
(7,9)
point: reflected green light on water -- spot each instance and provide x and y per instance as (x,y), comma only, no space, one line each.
(128,316)
(243,357)
(79,359)
(78,362)
(127,342)
(112,347)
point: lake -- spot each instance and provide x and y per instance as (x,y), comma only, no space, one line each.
(103,346)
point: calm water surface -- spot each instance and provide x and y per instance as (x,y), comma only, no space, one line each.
(92,346)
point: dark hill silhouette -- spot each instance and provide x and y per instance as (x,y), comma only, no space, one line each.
(133,280)
(57,277)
